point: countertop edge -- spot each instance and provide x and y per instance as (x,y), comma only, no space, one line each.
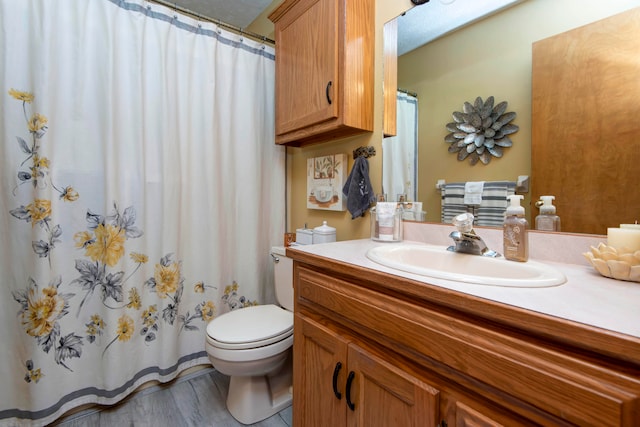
(587,337)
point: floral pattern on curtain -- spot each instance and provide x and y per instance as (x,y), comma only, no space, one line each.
(134,208)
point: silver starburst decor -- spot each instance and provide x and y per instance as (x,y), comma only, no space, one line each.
(481,131)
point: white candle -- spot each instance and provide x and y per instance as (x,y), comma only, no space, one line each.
(635,226)
(624,237)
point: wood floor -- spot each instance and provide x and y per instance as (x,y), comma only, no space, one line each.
(196,400)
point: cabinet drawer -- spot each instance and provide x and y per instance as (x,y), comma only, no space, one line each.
(560,382)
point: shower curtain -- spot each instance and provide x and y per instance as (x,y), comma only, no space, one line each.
(141,191)
(400,152)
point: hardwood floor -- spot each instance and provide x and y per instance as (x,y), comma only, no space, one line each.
(196,400)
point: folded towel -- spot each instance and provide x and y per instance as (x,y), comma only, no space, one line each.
(494,202)
(473,192)
(358,189)
(452,202)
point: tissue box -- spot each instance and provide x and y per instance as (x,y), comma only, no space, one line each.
(304,236)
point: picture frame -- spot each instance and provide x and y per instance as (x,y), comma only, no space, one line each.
(326,176)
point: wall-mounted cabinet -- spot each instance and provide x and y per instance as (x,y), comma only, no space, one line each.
(324,69)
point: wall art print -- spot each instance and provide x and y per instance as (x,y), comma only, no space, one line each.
(326,175)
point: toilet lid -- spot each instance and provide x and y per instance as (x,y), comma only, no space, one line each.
(251,324)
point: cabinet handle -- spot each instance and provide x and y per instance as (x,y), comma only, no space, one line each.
(335,380)
(328,94)
(349,381)
(443,423)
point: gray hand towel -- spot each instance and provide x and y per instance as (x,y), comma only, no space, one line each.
(358,189)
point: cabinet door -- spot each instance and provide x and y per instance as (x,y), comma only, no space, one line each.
(307,65)
(319,366)
(385,393)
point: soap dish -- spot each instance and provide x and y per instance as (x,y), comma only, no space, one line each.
(615,263)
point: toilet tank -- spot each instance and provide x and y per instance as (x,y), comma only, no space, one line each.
(283,277)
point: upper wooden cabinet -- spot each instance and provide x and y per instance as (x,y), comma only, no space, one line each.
(324,69)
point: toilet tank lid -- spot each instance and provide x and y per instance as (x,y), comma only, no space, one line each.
(255,323)
(279,250)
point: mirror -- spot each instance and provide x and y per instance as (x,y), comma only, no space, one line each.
(489,57)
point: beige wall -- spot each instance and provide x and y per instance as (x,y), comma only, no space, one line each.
(491,57)
(496,48)
(298,214)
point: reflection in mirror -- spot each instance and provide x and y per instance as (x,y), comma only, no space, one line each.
(488,57)
(399,152)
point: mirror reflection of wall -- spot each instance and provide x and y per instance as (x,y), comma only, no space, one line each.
(491,57)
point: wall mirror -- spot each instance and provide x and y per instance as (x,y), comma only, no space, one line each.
(491,55)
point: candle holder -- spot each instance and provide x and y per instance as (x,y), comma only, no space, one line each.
(615,263)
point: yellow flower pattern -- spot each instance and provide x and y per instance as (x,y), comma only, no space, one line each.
(21,96)
(37,122)
(39,211)
(208,311)
(108,246)
(125,328)
(134,299)
(43,311)
(100,267)
(167,278)
(138,258)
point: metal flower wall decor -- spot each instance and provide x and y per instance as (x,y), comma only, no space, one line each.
(481,130)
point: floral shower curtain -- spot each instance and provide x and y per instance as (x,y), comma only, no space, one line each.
(140,193)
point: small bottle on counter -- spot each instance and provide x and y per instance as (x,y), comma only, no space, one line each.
(547,220)
(515,239)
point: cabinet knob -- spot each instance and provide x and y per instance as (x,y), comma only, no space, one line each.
(349,382)
(336,371)
(328,90)
(443,423)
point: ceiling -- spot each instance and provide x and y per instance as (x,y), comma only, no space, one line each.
(437,18)
(239,13)
(418,26)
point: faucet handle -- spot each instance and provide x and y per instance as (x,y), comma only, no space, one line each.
(464,222)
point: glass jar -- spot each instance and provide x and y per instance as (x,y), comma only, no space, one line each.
(386,222)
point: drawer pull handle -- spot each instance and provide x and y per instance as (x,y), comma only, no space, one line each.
(349,382)
(327,92)
(335,380)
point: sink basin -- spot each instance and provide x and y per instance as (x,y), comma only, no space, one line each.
(437,262)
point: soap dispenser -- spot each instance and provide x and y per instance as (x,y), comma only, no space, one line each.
(547,220)
(516,244)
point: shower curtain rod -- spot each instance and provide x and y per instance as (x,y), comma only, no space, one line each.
(414,94)
(196,15)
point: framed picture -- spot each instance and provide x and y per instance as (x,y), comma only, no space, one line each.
(326,176)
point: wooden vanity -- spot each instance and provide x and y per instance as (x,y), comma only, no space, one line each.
(376,348)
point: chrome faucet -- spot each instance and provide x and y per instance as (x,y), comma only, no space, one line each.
(466,240)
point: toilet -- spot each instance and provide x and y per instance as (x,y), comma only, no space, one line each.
(253,346)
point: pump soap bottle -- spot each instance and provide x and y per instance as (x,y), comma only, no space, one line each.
(516,244)
(547,220)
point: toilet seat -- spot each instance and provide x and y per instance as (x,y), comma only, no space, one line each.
(250,327)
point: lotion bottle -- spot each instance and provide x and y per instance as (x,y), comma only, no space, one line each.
(516,244)
(547,220)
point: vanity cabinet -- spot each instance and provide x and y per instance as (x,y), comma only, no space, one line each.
(340,383)
(407,353)
(324,69)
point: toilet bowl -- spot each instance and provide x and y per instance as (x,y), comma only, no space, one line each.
(253,346)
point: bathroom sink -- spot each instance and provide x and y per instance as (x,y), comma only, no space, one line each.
(437,262)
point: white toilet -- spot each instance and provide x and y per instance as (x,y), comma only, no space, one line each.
(253,346)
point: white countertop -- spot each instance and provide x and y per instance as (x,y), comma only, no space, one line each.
(586,297)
